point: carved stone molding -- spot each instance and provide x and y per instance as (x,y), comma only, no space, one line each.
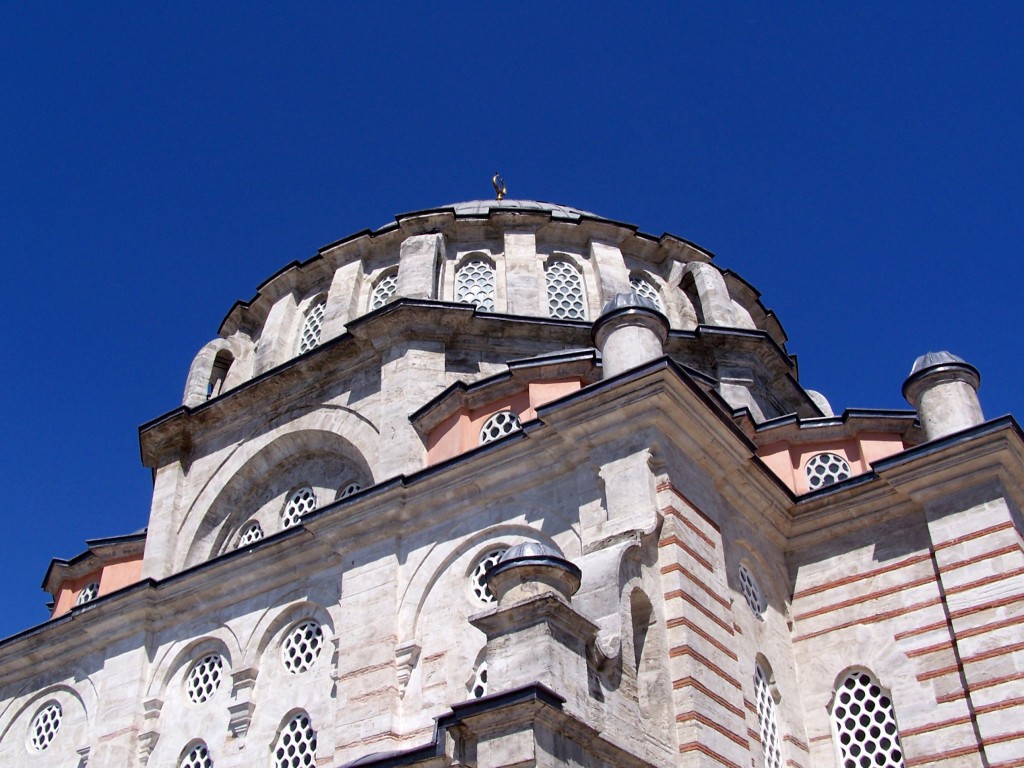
(406,656)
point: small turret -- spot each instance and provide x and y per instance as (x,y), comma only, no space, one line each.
(630,332)
(944,390)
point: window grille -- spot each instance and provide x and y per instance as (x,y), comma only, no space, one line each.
(825,469)
(500,424)
(296,745)
(477,582)
(298,504)
(474,284)
(767,719)
(204,678)
(349,489)
(310,336)
(197,757)
(89,593)
(565,291)
(645,290)
(384,291)
(479,689)
(44,727)
(751,592)
(301,646)
(250,534)
(865,724)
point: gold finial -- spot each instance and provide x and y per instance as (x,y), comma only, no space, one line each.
(499,185)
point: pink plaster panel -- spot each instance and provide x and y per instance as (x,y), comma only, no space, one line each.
(113,576)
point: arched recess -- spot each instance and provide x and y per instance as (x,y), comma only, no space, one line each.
(439,586)
(268,465)
(205,379)
(274,621)
(74,729)
(174,656)
(441,559)
(704,285)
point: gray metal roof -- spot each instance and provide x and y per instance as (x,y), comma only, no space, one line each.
(484,207)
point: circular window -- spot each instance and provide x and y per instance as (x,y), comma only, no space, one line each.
(250,534)
(825,469)
(296,746)
(298,504)
(44,726)
(751,592)
(302,645)
(204,678)
(197,757)
(89,593)
(477,581)
(500,424)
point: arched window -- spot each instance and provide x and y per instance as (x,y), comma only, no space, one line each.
(296,744)
(349,489)
(865,723)
(309,338)
(196,756)
(299,503)
(565,291)
(767,718)
(751,592)
(221,365)
(89,593)
(478,578)
(479,689)
(474,284)
(383,291)
(825,469)
(500,424)
(643,288)
(251,533)
(44,726)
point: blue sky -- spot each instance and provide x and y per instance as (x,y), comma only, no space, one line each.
(860,164)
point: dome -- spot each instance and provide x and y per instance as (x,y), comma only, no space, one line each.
(628,300)
(934,359)
(485,207)
(529,549)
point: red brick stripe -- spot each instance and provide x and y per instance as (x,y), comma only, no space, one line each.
(686,650)
(673,539)
(865,598)
(671,511)
(684,622)
(860,576)
(687,598)
(678,568)
(974,535)
(696,746)
(687,717)
(692,682)
(872,619)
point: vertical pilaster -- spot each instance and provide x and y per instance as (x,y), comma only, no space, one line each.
(276,342)
(706,677)
(523,274)
(612,275)
(412,373)
(417,266)
(976,544)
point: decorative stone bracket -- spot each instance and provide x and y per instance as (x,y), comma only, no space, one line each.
(406,656)
(149,735)
(240,710)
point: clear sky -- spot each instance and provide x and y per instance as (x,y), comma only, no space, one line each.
(859,163)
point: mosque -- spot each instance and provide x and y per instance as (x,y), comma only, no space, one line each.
(508,483)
